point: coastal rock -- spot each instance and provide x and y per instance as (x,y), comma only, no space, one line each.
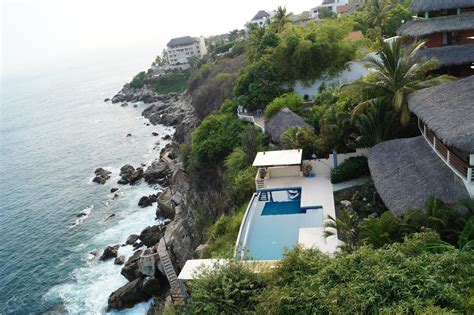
(109,252)
(166,137)
(101,176)
(119,260)
(109,217)
(129,135)
(151,235)
(124,104)
(131,239)
(107,99)
(137,245)
(122,181)
(130,270)
(157,172)
(145,201)
(136,176)
(137,291)
(155,134)
(114,190)
(165,205)
(135,105)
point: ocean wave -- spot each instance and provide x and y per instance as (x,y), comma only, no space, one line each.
(81,216)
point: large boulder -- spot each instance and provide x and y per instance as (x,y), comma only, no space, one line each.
(132,238)
(101,176)
(136,291)
(120,260)
(157,172)
(166,205)
(130,270)
(136,176)
(147,201)
(151,235)
(109,252)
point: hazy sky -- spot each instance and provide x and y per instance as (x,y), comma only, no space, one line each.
(36,33)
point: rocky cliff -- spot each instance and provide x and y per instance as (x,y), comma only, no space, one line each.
(180,204)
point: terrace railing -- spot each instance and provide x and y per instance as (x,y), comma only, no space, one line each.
(459,166)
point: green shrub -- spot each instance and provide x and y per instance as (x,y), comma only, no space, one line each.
(259,85)
(138,80)
(291,100)
(354,167)
(176,81)
(214,139)
(371,281)
(222,235)
(225,289)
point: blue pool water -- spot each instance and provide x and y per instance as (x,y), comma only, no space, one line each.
(282,207)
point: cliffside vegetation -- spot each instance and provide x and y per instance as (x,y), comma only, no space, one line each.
(253,72)
(399,278)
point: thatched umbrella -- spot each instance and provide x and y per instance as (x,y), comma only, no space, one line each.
(448,110)
(406,172)
(279,123)
(437,5)
(422,27)
(450,55)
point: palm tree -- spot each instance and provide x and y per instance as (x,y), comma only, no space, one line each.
(253,43)
(386,229)
(397,71)
(465,241)
(280,20)
(347,226)
(378,11)
(376,125)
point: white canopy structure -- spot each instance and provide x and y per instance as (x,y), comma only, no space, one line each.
(278,158)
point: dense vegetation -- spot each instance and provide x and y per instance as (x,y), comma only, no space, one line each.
(398,278)
(385,259)
(351,168)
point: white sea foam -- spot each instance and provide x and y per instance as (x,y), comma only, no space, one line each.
(91,285)
(84,214)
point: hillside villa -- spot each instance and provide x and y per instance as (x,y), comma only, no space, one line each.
(180,49)
(448,28)
(438,163)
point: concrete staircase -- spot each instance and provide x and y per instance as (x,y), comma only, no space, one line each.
(178,294)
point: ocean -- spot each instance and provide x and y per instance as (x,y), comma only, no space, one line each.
(55,131)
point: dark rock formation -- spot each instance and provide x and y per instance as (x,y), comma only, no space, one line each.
(130,269)
(101,176)
(129,134)
(114,189)
(166,137)
(151,235)
(107,99)
(139,290)
(109,252)
(157,173)
(124,104)
(119,260)
(146,201)
(155,134)
(131,239)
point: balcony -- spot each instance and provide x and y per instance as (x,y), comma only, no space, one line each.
(459,166)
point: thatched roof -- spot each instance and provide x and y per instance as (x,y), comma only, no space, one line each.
(406,172)
(185,40)
(437,5)
(284,119)
(448,110)
(422,27)
(450,55)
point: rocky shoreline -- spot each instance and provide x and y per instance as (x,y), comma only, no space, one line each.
(175,205)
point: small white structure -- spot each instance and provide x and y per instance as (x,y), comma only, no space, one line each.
(182,48)
(330,4)
(261,18)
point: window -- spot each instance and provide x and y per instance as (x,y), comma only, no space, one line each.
(451,38)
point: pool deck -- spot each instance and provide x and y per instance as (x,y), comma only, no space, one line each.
(268,236)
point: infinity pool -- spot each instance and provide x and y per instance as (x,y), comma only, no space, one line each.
(274,226)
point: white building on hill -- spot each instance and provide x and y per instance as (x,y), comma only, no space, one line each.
(181,48)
